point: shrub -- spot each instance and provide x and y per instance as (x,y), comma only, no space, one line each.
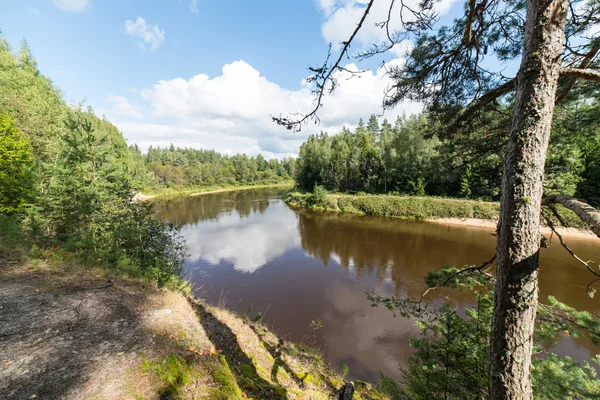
(319,196)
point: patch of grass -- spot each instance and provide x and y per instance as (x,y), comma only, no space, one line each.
(221,373)
(309,379)
(413,207)
(568,216)
(345,370)
(173,373)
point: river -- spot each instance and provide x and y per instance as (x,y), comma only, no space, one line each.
(306,272)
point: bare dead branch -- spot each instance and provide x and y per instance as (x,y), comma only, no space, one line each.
(323,76)
(587,213)
(570,251)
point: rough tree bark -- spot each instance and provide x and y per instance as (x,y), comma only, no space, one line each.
(518,243)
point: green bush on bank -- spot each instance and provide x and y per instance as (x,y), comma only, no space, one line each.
(411,207)
(319,197)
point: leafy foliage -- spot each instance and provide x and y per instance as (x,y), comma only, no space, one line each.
(451,358)
(16,159)
(67,175)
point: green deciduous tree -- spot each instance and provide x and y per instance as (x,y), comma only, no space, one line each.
(16,160)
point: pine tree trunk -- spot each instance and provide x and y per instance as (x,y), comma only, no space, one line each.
(518,240)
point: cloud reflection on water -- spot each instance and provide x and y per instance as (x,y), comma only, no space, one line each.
(248,243)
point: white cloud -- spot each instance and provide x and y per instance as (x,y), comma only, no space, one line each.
(151,35)
(122,107)
(194,7)
(71,5)
(232,112)
(328,6)
(401,49)
(342,16)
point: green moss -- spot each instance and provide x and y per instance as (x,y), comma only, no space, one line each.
(173,372)
(222,375)
(336,383)
(283,375)
(248,371)
(280,391)
(269,357)
(296,393)
(309,379)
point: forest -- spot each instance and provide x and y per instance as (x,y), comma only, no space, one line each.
(194,168)
(413,156)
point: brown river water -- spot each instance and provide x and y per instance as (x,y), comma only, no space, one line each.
(306,272)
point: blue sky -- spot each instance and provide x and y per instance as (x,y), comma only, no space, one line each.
(201,73)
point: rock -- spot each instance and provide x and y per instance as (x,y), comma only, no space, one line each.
(346,392)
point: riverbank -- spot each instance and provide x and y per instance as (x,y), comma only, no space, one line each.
(490,226)
(472,213)
(75,332)
(174,192)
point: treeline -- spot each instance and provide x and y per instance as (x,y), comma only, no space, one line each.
(412,157)
(184,168)
(67,183)
(67,180)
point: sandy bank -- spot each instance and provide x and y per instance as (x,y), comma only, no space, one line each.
(142,197)
(490,225)
(222,190)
